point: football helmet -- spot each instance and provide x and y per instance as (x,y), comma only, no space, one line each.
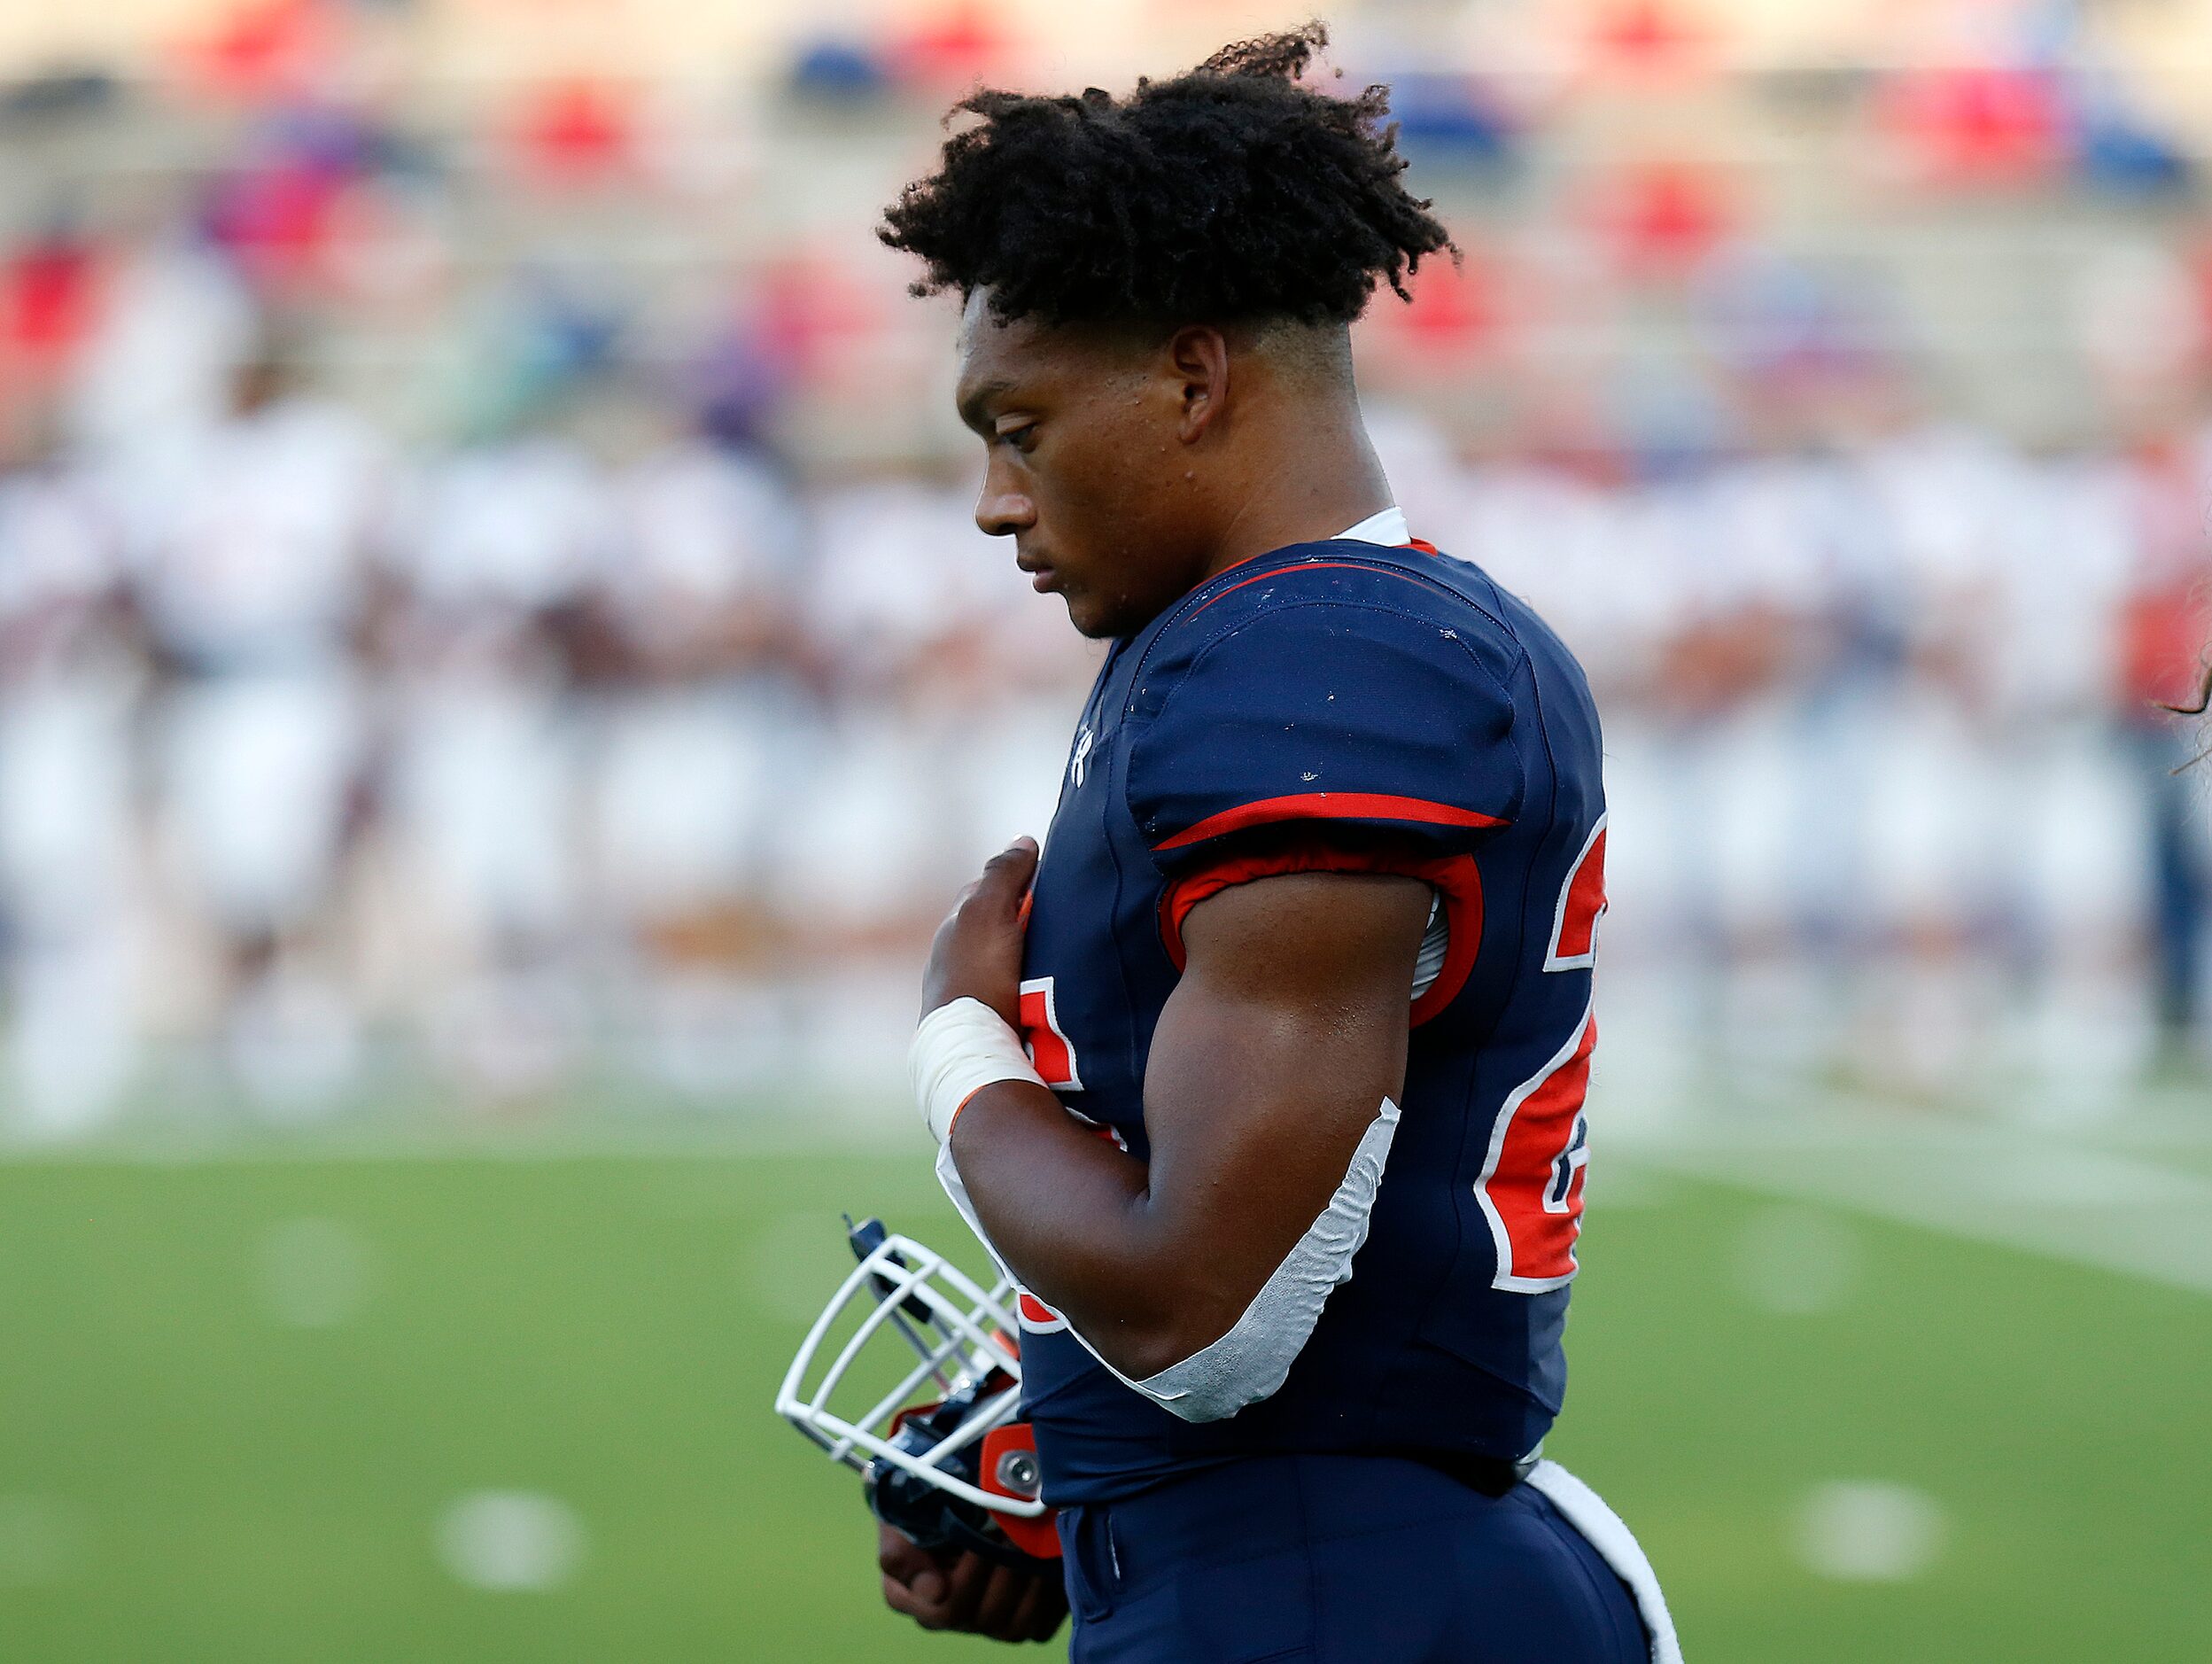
(929,1422)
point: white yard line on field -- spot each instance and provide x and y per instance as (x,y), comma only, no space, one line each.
(2013,1187)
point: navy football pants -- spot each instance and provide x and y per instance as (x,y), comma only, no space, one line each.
(1339,1559)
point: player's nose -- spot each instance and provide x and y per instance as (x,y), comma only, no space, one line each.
(1001,512)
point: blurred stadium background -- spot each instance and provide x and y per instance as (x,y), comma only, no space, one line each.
(498,680)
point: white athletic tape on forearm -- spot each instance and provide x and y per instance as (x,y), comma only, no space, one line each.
(960,1048)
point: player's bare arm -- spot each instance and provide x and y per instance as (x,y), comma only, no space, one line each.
(1271,1058)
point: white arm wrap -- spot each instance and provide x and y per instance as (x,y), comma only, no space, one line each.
(1252,1360)
(965,1046)
(961,1047)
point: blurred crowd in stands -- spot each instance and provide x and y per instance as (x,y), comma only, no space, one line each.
(499,598)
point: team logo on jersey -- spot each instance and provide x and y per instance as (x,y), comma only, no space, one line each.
(1079,764)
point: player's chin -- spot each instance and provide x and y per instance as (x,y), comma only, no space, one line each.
(1090,616)
(1104,612)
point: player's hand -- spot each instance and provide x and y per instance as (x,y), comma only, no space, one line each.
(968,1594)
(977,955)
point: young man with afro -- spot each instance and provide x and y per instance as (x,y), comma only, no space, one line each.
(1265,1079)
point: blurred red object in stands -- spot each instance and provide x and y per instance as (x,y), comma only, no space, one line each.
(48,295)
(275,221)
(262,48)
(1457,313)
(1664,218)
(960,42)
(573,132)
(1646,37)
(1977,124)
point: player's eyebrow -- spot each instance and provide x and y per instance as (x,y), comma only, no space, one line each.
(972,405)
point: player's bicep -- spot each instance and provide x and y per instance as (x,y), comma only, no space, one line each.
(1300,982)
(1267,1076)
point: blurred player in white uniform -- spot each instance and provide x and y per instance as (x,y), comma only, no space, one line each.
(490,551)
(892,613)
(72,894)
(249,541)
(697,741)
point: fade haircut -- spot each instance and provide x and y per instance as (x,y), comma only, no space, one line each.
(1231,194)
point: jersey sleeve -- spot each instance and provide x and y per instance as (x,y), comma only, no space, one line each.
(1321,719)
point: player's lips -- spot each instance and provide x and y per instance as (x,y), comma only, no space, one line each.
(1042,578)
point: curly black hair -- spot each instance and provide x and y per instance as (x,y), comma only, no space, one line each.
(1230,193)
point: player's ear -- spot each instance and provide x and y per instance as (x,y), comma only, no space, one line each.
(1199,356)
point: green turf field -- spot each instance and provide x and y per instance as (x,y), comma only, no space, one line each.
(228,1435)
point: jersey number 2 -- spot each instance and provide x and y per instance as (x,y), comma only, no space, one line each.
(1531,1188)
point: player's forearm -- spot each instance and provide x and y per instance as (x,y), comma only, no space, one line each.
(1267,1075)
(1074,1218)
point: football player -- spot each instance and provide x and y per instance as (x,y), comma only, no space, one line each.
(1265,1080)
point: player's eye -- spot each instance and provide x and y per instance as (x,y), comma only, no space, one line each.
(1023,439)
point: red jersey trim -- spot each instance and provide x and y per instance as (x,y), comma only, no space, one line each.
(1315,566)
(1455,877)
(1328,806)
(1421,543)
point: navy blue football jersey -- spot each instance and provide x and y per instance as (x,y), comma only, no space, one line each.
(1344,705)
